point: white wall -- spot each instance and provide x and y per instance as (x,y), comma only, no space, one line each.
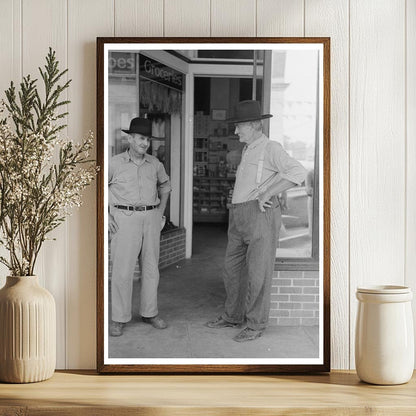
(373,132)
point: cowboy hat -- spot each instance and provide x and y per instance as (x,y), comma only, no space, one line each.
(141,126)
(248,110)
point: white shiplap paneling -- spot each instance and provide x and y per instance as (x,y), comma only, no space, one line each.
(381,150)
(377,152)
(280,18)
(233,18)
(86,20)
(138,18)
(10,66)
(10,44)
(330,18)
(44,24)
(411,150)
(187,18)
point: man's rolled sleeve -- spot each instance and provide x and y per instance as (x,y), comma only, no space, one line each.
(163,180)
(288,167)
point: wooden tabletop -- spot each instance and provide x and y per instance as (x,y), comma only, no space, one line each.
(86,393)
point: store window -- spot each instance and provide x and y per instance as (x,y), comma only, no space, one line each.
(293,103)
(142,86)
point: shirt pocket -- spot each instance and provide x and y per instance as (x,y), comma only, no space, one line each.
(252,167)
(124,177)
(150,174)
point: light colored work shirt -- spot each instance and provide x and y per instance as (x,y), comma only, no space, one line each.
(136,183)
(276,160)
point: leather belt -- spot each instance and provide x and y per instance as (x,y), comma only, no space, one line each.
(140,208)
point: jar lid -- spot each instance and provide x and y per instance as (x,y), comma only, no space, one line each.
(384,289)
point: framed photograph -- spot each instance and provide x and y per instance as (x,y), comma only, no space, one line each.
(219,115)
(213,205)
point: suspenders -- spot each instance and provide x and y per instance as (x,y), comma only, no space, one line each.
(259,174)
(260,167)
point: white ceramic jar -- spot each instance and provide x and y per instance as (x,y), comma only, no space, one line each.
(384,337)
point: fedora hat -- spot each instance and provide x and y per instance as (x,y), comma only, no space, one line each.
(248,110)
(141,126)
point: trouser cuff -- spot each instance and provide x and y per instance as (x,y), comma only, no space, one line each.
(231,320)
(122,321)
(256,327)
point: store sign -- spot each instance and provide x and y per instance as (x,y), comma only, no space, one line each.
(122,63)
(158,72)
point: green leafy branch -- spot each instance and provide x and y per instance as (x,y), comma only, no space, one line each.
(36,193)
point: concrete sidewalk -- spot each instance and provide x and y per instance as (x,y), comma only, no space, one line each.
(191,293)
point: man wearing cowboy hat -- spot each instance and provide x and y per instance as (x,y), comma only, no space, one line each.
(139,191)
(265,171)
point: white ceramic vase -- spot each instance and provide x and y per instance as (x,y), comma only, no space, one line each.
(384,338)
(27,331)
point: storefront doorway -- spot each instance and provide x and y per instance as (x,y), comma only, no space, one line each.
(216,152)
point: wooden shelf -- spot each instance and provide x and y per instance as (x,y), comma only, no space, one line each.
(86,393)
(210,192)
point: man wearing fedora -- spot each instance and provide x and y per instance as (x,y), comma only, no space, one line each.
(265,171)
(139,191)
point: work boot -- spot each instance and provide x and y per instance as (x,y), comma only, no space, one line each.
(248,334)
(116,328)
(155,321)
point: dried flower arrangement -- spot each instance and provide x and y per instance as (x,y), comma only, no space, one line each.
(42,176)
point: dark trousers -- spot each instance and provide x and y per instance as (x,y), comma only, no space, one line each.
(249,263)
